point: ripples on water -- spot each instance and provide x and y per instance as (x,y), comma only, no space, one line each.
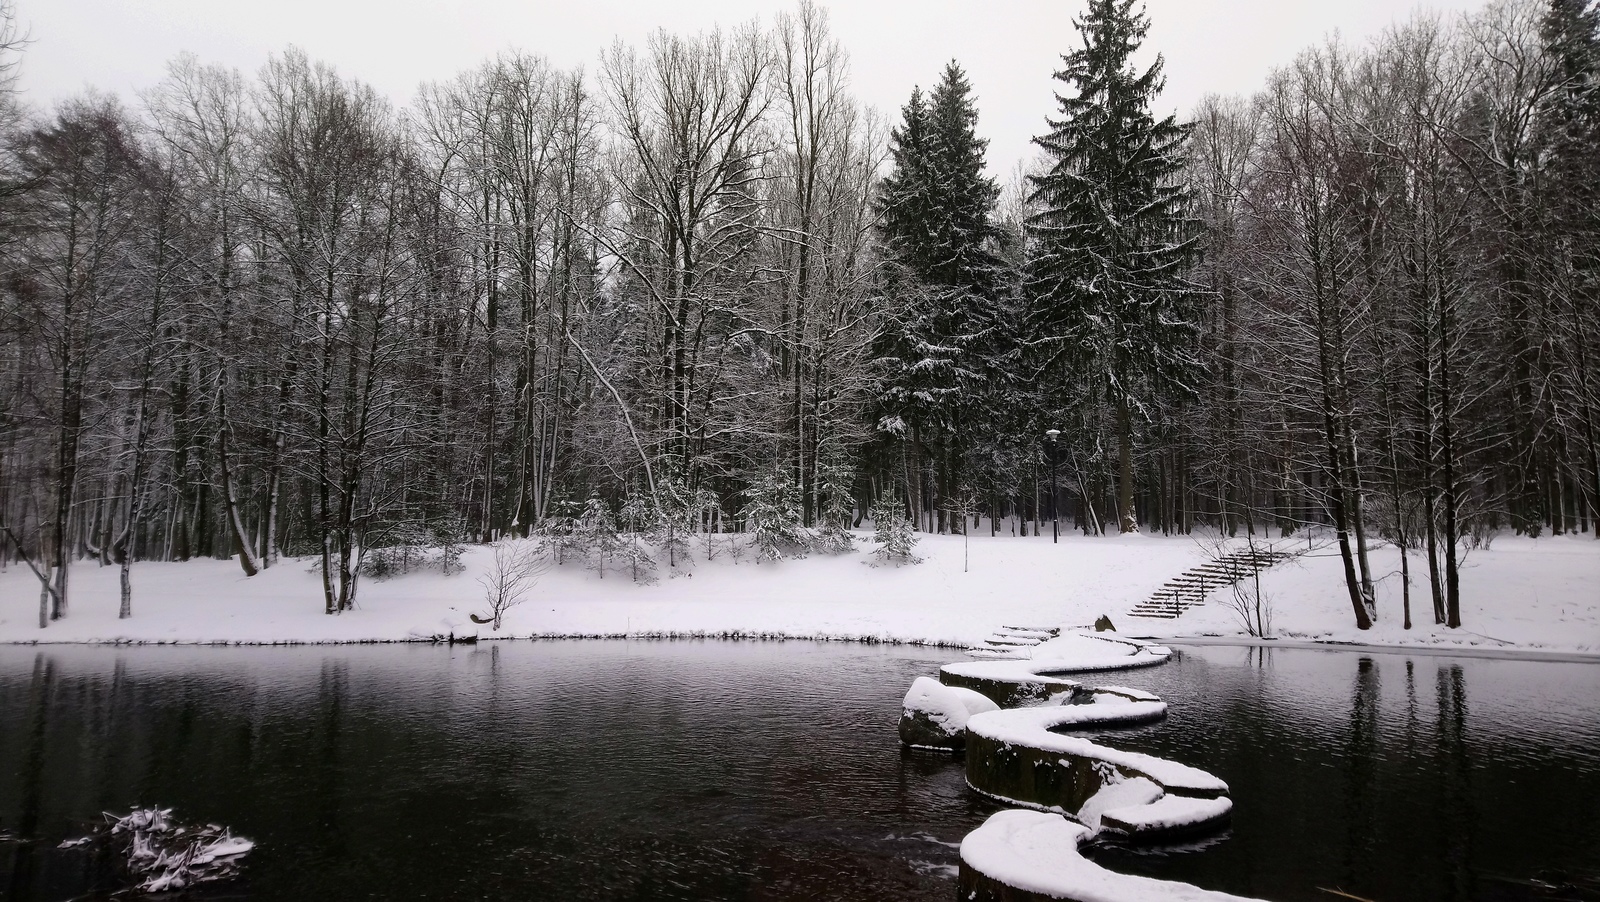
(721,770)
(1388,777)
(562,770)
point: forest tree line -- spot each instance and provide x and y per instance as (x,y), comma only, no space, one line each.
(700,284)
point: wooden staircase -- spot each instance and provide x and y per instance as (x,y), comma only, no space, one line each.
(1189,589)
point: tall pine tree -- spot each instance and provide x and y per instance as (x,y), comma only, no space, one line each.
(1110,309)
(934,208)
(1569,178)
(934,224)
(906,194)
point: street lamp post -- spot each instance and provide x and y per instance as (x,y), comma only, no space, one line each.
(1055,522)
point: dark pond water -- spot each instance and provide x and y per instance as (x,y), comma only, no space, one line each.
(1387,777)
(721,770)
(549,770)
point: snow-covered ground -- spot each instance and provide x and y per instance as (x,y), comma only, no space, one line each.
(1542,594)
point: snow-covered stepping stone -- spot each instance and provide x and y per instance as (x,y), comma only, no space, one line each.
(1032,855)
(934,716)
(1016,679)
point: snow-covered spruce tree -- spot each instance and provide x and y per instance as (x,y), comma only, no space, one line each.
(562,528)
(637,516)
(597,534)
(892,531)
(905,196)
(772,517)
(1568,133)
(935,206)
(938,348)
(676,516)
(1110,309)
(837,507)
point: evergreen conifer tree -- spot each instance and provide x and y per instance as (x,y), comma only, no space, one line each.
(596,532)
(834,478)
(1569,122)
(934,213)
(960,235)
(637,515)
(1569,178)
(892,531)
(1108,300)
(934,208)
(772,517)
(905,195)
(1569,136)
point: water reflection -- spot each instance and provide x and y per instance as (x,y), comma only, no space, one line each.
(602,770)
(570,770)
(24,869)
(1454,761)
(1347,775)
(1361,773)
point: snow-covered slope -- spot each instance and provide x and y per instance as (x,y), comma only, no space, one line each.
(1541,594)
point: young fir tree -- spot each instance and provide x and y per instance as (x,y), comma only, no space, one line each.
(934,225)
(837,506)
(636,515)
(772,517)
(597,534)
(892,531)
(1108,300)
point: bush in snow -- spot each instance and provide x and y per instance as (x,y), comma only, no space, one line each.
(772,517)
(413,545)
(893,532)
(710,511)
(636,515)
(518,564)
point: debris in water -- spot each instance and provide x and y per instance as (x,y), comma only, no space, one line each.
(163,855)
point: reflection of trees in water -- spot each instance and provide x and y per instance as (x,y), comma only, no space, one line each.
(1361,771)
(1258,657)
(1381,777)
(1454,762)
(1412,725)
(332,688)
(24,860)
(104,712)
(495,682)
(432,773)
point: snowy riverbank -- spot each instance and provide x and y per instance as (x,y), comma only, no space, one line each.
(1519,593)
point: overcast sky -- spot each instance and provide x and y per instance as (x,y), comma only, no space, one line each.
(1008,47)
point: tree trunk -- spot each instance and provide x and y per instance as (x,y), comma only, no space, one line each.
(1126,516)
